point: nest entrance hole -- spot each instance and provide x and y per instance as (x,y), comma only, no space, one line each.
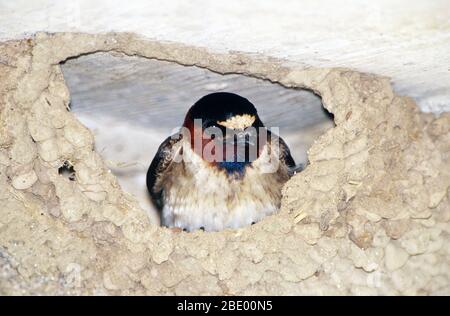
(132,104)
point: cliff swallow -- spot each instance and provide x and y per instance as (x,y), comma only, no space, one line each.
(223,169)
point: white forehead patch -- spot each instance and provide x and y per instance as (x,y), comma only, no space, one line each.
(238,121)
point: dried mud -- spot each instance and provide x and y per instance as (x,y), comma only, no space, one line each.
(369,215)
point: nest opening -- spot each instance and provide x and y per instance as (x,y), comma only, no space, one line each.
(131,104)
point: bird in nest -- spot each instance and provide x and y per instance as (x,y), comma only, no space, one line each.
(223,169)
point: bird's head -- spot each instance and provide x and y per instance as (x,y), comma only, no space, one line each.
(225,130)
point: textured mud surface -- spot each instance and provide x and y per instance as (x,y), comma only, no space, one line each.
(370,214)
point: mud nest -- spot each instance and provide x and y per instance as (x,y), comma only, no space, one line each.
(369,215)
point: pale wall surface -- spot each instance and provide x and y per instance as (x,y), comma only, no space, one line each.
(408,41)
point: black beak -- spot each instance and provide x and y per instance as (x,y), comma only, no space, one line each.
(242,145)
(241,138)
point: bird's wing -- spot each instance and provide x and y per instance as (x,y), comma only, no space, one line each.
(157,170)
(285,153)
